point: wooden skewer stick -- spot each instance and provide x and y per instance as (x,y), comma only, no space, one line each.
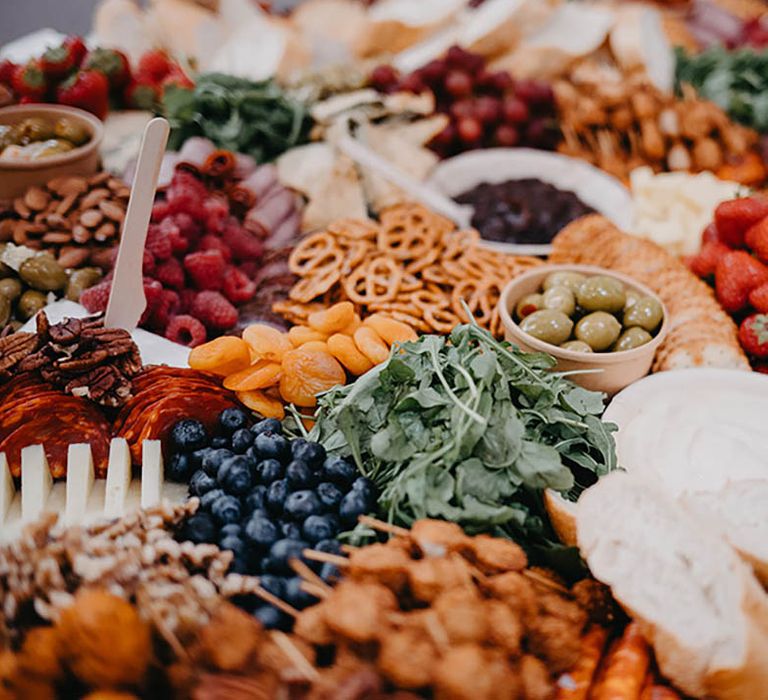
(307,574)
(544,581)
(265,595)
(380,525)
(349,548)
(298,659)
(314,590)
(325,557)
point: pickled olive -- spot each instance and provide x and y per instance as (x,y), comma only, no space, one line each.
(30,303)
(80,280)
(548,326)
(645,313)
(10,288)
(70,130)
(576,346)
(599,330)
(5,310)
(43,273)
(53,147)
(528,304)
(560,299)
(572,280)
(601,293)
(35,129)
(632,338)
(632,298)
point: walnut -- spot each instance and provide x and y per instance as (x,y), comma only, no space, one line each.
(105,642)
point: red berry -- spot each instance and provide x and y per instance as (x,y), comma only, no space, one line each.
(95,298)
(709,234)
(458,83)
(206,269)
(705,263)
(158,243)
(758,297)
(736,275)
(753,335)
(214,310)
(29,81)
(535,131)
(216,212)
(434,72)
(446,137)
(154,65)
(457,57)
(148,263)
(470,130)
(238,287)
(187,226)
(488,109)
(503,81)
(412,83)
(756,239)
(153,292)
(213,242)
(186,299)
(383,77)
(534,91)
(171,274)
(186,330)
(160,209)
(506,136)
(165,309)
(515,110)
(86,89)
(735,216)
(7,69)
(77,48)
(462,108)
(168,228)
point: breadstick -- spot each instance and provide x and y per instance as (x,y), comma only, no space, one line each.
(575,684)
(624,669)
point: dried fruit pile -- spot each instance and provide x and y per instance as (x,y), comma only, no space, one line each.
(486,109)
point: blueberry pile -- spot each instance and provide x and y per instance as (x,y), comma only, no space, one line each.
(266,498)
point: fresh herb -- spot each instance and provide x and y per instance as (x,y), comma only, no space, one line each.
(472,430)
(735,80)
(236,114)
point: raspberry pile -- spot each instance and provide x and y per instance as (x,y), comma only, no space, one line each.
(199,261)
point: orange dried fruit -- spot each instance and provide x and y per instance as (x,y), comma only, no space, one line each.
(299,335)
(266,342)
(318,345)
(390,330)
(308,372)
(222,356)
(332,319)
(343,348)
(369,342)
(262,403)
(258,376)
(350,328)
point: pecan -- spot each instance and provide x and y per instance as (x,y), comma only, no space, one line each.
(86,361)
(105,385)
(64,333)
(14,348)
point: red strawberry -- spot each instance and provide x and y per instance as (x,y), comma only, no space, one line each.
(176,78)
(753,334)
(756,239)
(735,216)
(86,89)
(77,49)
(709,234)
(704,264)
(7,69)
(154,66)
(113,64)
(141,95)
(758,297)
(736,275)
(29,81)
(57,62)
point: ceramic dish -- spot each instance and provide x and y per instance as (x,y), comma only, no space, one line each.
(615,369)
(604,193)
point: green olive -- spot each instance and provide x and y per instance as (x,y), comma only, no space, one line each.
(646,313)
(576,346)
(30,303)
(632,298)
(560,299)
(70,130)
(5,310)
(599,330)
(10,288)
(80,280)
(572,280)
(36,129)
(548,326)
(53,147)
(43,273)
(6,271)
(601,293)
(632,338)
(528,304)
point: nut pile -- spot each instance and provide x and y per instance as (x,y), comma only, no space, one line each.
(76,218)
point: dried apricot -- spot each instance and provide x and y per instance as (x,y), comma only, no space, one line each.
(369,342)
(308,372)
(318,345)
(343,348)
(391,331)
(332,319)
(222,356)
(258,376)
(299,335)
(263,404)
(350,328)
(266,342)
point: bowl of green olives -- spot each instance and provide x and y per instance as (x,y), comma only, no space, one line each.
(39,142)
(587,318)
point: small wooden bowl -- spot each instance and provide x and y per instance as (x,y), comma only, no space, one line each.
(17,176)
(618,369)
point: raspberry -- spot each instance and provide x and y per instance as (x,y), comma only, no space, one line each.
(244,245)
(188,227)
(206,268)
(186,194)
(216,213)
(170,273)
(166,308)
(153,291)
(160,209)
(186,299)
(179,244)
(212,242)
(238,288)
(158,243)
(95,298)
(148,265)
(186,331)
(214,310)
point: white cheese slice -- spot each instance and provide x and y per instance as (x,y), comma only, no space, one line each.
(36,482)
(151,473)
(7,491)
(118,478)
(80,478)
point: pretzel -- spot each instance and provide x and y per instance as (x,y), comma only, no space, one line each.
(306,289)
(313,252)
(426,298)
(376,281)
(354,229)
(441,318)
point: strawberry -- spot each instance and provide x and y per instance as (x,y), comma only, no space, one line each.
(112,63)
(176,78)
(756,239)
(86,89)
(709,234)
(736,275)
(56,62)
(141,95)
(758,297)
(154,66)
(29,81)
(7,69)
(734,217)
(704,264)
(77,50)
(753,335)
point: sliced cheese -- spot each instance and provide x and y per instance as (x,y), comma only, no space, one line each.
(7,491)
(151,473)
(36,482)
(118,478)
(80,478)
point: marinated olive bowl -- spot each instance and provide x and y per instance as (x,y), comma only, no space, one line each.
(17,175)
(617,369)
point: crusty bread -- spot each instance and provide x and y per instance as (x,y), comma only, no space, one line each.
(697,602)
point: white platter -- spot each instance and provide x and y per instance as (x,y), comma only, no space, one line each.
(596,188)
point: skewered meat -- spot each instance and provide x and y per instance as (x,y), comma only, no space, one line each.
(407,658)
(537,684)
(381,562)
(436,538)
(462,615)
(429,577)
(469,672)
(494,555)
(357,610)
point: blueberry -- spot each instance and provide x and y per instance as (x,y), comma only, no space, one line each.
(189,435)
(301,504)
(256,499)
(240,565)
(212,460)
(235,476)
(201,483)
(317,528)
(274,584)
(219,442)
(339,471)
(328,546)
(299,475)
(226,509)
(269,470)
(365,486)
(276,494)
(270,445)
(231,529)
(261,532)
(179,467)
(196,457)
(268,425)
(242,440)
(208,498)
(329,496)
(291,530)
(272,618)
(330,573)
(295,596)
(199,528)
(281,553)
(234,544)
(352,506)
(232,419)
(313,453)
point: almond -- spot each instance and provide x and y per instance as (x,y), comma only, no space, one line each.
(20,232)
(71,185)
(57,237)
(112,211)
(80,234)
(93,198)
(71,257)
(36,198)
(115,184)
(91,218)
(66,204)
(56,221)
(98,178)
(105,232)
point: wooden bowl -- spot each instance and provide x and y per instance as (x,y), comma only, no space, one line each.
(17,176)
(616,369)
